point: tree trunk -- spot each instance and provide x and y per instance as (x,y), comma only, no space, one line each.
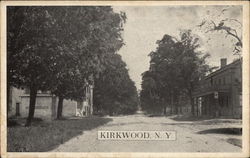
(192,107)
(192,103)
(33,93)
(60,108)
(164,110)
(176,109)
(177,103)
(163,104)
(172,102)
(110,113)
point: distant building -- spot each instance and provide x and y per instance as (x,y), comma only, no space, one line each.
(46,104)
(220,93)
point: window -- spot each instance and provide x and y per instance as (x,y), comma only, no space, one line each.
(211,81)
(44,92)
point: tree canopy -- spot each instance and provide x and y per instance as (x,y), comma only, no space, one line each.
(114,91)
(60,48)
(174,68)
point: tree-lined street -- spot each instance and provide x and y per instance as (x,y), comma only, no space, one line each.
(78,70)
(65,49)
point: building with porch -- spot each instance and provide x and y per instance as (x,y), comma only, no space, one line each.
(220,93)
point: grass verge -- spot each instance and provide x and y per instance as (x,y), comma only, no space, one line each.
(46,135)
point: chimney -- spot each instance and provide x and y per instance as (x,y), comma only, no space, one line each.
(223,62)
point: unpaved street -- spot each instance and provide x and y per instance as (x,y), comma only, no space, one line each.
(188,137)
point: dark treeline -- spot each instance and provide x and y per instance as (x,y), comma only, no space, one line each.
(175,68)
(62,49)
(114,92)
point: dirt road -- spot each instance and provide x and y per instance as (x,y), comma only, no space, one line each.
(191,137)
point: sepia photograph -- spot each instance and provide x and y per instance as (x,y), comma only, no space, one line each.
(141,78)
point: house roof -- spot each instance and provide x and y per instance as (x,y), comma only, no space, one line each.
(224,68)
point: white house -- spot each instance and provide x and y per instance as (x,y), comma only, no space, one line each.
(46,104)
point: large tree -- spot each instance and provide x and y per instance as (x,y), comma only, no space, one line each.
(93,33)
(174,68)
(54,47)
(192,63)
(30,50)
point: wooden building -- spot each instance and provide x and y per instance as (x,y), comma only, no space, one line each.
(46,104)
(220,93)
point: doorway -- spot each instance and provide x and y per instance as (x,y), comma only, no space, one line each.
(17,109)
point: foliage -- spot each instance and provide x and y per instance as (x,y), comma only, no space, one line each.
(93,32)
(174,68)
(114,92)
(28,46)
(60,48)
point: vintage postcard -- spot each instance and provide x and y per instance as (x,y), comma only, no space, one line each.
(124,79)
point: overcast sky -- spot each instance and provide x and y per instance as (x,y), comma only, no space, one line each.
(146,25)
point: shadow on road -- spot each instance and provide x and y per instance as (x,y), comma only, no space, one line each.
(155,115)
(235,141)
(190,118)
(177,123)
(232,131)
(45,136)
(125,124)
